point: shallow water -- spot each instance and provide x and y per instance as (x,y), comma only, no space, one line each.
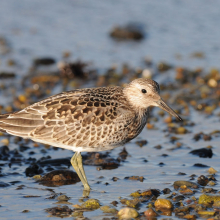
(47,28)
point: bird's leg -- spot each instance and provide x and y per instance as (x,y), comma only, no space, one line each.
(76,162)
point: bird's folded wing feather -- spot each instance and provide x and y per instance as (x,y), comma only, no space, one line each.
(67,117)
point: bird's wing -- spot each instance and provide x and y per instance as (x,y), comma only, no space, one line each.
(74,118)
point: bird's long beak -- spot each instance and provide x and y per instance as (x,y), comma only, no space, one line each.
(168,109)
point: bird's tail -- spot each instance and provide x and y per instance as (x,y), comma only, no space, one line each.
(3,117)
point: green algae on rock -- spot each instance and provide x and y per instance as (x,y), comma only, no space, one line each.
(91,204)
(207,199)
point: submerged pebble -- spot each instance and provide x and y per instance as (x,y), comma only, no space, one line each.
(108,209)
(180,183)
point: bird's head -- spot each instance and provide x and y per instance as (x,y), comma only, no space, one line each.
(143,93)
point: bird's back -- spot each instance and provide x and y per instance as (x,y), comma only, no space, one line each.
(92,119)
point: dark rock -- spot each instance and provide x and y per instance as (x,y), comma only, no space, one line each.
(141,143)
(208,190)
(129,32)
(2,184)
(166,191)
(60,211)
(181,174)
(158,147)
(162,67)
(115,179)
(23,148)
(100,159)
(178,198)
(123,154)
(59,178)
(200,165)
(202,152)
(180,183)
(202,180)
(44,61)
(63,198)
(54,162)
(197,137)
(20,187)
(7,75)
(139,178)
(114,203)
(74,69)
(33,169)
(207,137)
(14,182)
(4,150)
(161,164)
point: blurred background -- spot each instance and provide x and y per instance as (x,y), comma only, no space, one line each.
(173,31)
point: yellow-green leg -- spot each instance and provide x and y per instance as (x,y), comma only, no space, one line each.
(76,162)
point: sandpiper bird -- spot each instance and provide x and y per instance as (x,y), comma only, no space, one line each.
(93,119)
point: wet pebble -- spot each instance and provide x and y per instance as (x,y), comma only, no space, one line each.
(207,199)
(206,137)
(63,198)
(178,198)
(108,209)
(7,75)
(123,154)
(91,204)
(59,177)
(139,178)
(180,183)
(127,213)
(128,32)
(202,180)
(150,213)
(4,150)
(2,184)
(101,159)
(33,169)
(141,143)
(211,170)
(166,191)
(163,203)
(162,66)
(134,203)
(72,70)
(44,61)
(60,211)
(202,152)
(200,165)
(158,147)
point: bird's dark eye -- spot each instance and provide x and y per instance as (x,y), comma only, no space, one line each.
(143,91)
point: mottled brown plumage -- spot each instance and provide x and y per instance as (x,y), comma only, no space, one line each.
(93,119)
